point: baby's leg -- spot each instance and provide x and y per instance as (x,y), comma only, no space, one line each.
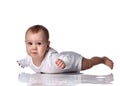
(108,62)
(88,63)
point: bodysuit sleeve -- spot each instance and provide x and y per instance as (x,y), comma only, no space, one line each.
(67,60)
(24,62)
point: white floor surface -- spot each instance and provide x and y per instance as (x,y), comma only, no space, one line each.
(15,76)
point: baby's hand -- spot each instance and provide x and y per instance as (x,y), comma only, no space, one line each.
(60,63)
(20,64)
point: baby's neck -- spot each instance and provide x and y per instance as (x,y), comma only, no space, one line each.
(37,62)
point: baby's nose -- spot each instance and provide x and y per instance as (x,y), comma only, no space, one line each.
(34,46)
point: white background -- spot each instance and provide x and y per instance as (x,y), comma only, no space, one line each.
(89,27)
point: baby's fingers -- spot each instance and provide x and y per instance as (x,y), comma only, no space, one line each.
(19,64)
(60,63)
(22,67)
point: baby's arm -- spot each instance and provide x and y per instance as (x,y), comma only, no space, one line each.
(60,63)
(23,62)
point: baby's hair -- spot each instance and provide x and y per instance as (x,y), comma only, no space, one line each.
(37,28)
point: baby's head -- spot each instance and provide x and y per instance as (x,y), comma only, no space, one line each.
(36,29)
(37,41)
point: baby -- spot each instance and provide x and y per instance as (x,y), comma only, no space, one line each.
(44,59)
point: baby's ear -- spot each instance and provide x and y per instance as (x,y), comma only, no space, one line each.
(48,45)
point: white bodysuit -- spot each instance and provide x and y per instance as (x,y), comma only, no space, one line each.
(72,61)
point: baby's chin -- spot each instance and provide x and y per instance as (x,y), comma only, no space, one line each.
(34,55)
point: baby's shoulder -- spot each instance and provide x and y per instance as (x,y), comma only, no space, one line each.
(52,50)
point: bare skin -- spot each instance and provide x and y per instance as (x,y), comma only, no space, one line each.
(88,63)
(60,63)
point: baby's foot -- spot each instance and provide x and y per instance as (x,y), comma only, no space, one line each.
(60,63)
(108,62)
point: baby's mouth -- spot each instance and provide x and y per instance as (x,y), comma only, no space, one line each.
(34,52)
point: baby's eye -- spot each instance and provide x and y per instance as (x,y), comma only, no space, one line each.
(30,43)
(39,43)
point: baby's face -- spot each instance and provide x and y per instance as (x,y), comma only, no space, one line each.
(36,44)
